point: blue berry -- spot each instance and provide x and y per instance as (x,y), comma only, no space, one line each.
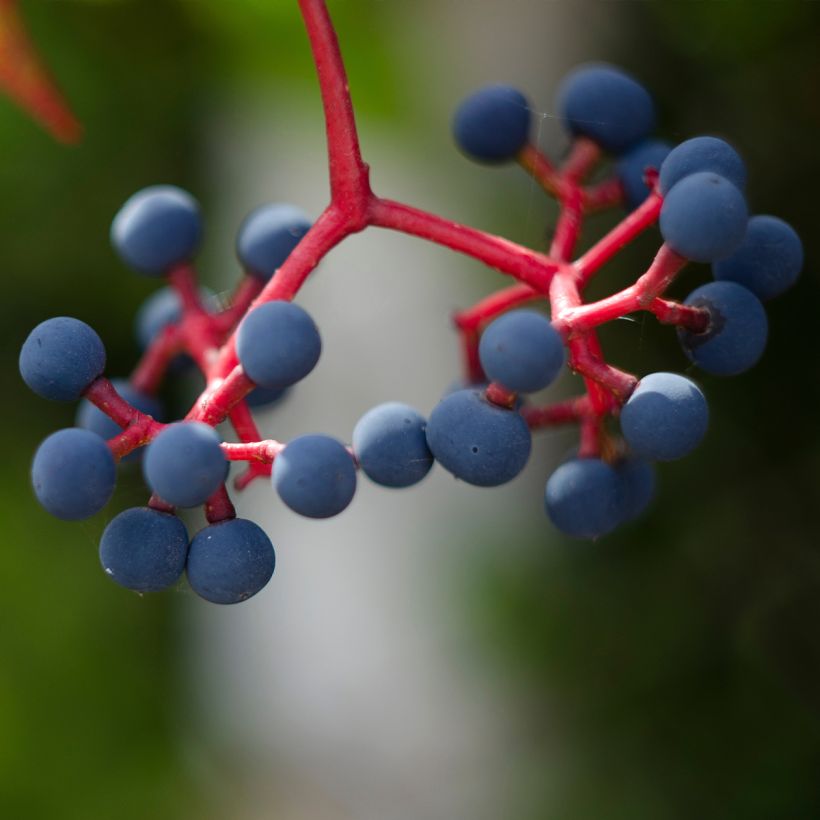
(230,561)
(704,217)
(278,344)
(477,441)
(157,228)
(73,474)
(144,549)
(315,476)
(265,396)
(522,351)
(60,358)
(90,417)
(768,260)
(390,444)
(736,336)
(583,498)
(267,236)
(702,154)
(607,105)
(493,124)
(636,479)
(665,417)
(184,464)
(632,166)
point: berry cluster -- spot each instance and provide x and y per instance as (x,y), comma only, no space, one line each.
(261,343)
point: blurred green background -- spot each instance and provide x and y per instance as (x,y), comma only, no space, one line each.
(669,671)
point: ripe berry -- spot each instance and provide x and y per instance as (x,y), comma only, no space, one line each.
(493,124)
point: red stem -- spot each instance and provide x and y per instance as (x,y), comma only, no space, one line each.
(263,451)
(633,225)
(584,155)
(565,412)
(349,185)
(694,319)
(531,267)
(219,507)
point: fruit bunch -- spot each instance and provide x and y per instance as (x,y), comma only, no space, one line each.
(261,343)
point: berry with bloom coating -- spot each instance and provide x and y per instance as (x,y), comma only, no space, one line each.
(583,498)
(73,474)
(278,344)
(607,105)
(522,351)
(144,549)
(704,217)
(702,154)
(477,441)
(315,476)
(390,444)
(184,464)
(493,124)
(61,357)
(267,237)
(736,335)
(665,418)
(768,260)
(157,228)
(230,561)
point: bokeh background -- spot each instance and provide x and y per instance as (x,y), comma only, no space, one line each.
(441,652)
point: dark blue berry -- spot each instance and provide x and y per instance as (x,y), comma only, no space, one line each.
(60,358)
(315,476)
(768,260)
(278,344)
(702,154)
(157,228)
(583,498)
(493,124)
(607,105)
(477,441)
(665,418)
(144,549)
(267,237)
(390,444)
(522,351)
(73,474)
(736,335)
(230,561)
(184,464)
(704,217)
